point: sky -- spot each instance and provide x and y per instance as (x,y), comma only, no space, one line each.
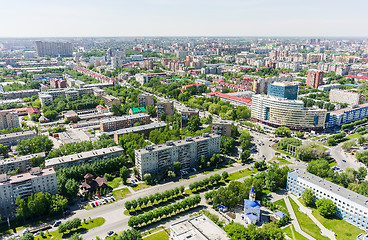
(110,18)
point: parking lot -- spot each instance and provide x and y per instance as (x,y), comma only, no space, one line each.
(102,201)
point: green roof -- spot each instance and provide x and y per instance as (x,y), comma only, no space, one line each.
(138,110)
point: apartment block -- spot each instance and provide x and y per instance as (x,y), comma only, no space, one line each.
(142,129)
(315,78)
(187,152)
(345,96)
(351,206)
(260,85)
(84,157)
(9,119)
(20,94)
(48,96)
(25,184)
(126,121)
(222,128)
(57,83)
(165,107)
(12,139)
(22,162)
(54,49)
(186,115)
(346,115)
(110,100)
(145,100)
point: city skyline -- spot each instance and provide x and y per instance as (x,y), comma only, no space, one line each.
(171,18)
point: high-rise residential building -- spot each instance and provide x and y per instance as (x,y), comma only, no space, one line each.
(338,68)
(286,90)
(145,100)
(222,128)
(8,119)
(25,184)
(54,49)
(187,152)
(345,96)
(165,107)
(57,83)
(84,157)
(126,121)
(186,115)
(110,100)
(315,78)
(276,112)
(351,206)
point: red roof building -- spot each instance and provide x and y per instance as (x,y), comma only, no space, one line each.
(232,99)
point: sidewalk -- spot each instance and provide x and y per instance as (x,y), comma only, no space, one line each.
(294,220)
(324,231)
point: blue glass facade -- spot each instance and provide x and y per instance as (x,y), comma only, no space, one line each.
(283,91)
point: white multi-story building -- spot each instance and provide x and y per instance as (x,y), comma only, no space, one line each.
(36,180)
(351,206)
(12,139)
(22,162)
(187,152)
(47,97)
(344,96)
(329,87)
(277,112)
(84,157)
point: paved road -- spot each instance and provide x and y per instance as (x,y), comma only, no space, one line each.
(339,155)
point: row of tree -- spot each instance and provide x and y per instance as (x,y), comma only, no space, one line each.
(157,214)
(154,198)
(212,180)
(69,225)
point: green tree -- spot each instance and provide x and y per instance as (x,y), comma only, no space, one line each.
(35,117)
(326,207)
(147,178)
(244,156)
(72,188)
(34,145)
(124,173)
(283,132)
(308,197)
(4,150)
(194,123)
(50,114)
(225,175)
(362,173)
(227,144)
(151,110)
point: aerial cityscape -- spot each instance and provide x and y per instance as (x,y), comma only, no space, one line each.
(175,120)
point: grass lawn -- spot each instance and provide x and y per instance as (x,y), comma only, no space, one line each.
(343,229)
(152,231)
(282,205)
(116,182)
(163,235)
(55,235)
(290,230)
(214,170)
(281,161)
(306,224)
(241,173)
(121,193)
(140,186)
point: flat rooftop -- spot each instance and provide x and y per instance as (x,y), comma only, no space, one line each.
(198,228)
(26,176)
(137,128)
(125,117)
(182,142)
(80,156)
(332,187)
(16,134)
(21,158)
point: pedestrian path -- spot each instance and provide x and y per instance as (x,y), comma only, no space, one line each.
(294,220)
(324,231)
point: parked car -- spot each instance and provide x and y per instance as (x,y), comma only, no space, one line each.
(57,223)
(344,160)
(110,233)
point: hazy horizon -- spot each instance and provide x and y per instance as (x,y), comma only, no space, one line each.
(171,18)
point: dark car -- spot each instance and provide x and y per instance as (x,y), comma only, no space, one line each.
(110,233)
(344,160)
